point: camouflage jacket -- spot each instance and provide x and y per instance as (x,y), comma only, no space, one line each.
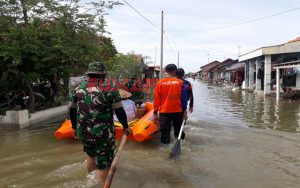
(95,110)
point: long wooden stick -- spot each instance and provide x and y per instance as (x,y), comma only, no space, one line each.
(113,167)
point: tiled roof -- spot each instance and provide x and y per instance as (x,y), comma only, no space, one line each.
(295,40)
(223,64)
(210,63)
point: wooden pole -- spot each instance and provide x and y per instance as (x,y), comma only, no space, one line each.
(113,167)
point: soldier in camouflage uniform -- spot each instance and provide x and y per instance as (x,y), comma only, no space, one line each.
(135,87)
(91,114)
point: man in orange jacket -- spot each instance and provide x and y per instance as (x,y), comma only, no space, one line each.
(170,100)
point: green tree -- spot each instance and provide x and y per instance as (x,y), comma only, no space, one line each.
(50,40)
(125,66)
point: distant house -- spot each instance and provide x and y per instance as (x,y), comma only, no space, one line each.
(205,70)
(152,72)
(139,58)
(191,75)
(273,64)
(198,74)
(234,73)
(219,71)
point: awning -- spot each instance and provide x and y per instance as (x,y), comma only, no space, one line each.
(291,64)
(235,66)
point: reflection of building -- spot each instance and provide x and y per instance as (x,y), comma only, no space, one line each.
(260,73)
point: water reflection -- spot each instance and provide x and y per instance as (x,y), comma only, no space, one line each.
(212,155)
(239,108)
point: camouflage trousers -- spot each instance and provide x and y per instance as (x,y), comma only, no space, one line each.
(100,145)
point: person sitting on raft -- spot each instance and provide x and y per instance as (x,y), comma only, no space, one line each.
(128,105)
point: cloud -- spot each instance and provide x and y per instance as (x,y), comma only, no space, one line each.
(131,32)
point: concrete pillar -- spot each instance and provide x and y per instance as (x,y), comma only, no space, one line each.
(277,84)
(23,119)
(258,81)
(298,79)
(267,76)
(246,75)
(251,75)
(18,118)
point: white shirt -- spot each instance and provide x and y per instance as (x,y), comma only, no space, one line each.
(130,109)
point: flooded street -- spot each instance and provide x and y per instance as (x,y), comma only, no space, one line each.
(234,139)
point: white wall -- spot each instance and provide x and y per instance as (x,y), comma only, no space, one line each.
(44,115)
(21,119)
(15,119)
(267,79)
(298,79)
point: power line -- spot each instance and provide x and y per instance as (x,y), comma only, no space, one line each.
(141,14)
(164,33)
(237,24)
(205,47)
(167,38)
(168,28)
(168,41)
(150,39)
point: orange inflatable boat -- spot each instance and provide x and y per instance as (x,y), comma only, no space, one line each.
(145,128)
(142,129)
(65,131)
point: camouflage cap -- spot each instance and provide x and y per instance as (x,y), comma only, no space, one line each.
(96,68)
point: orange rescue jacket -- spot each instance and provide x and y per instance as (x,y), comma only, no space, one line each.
(167,95)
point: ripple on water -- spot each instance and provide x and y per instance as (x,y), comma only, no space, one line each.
(218,150)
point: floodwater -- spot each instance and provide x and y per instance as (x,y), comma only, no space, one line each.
(234,139)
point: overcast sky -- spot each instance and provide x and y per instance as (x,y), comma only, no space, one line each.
(185,21)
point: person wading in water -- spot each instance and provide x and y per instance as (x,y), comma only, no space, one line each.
(92,107)
(180,74)
(170,100)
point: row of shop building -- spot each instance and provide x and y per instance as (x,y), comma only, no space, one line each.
(267,70)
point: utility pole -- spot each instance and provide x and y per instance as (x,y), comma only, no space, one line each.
(161,45)
(154,61)
(178,61)
(207,58)
(239,50)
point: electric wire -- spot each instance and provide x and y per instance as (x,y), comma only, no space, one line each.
(209,29)
(150,39)
(149,21)
(169,44)
(167,38)
(237,24)
(141,14)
